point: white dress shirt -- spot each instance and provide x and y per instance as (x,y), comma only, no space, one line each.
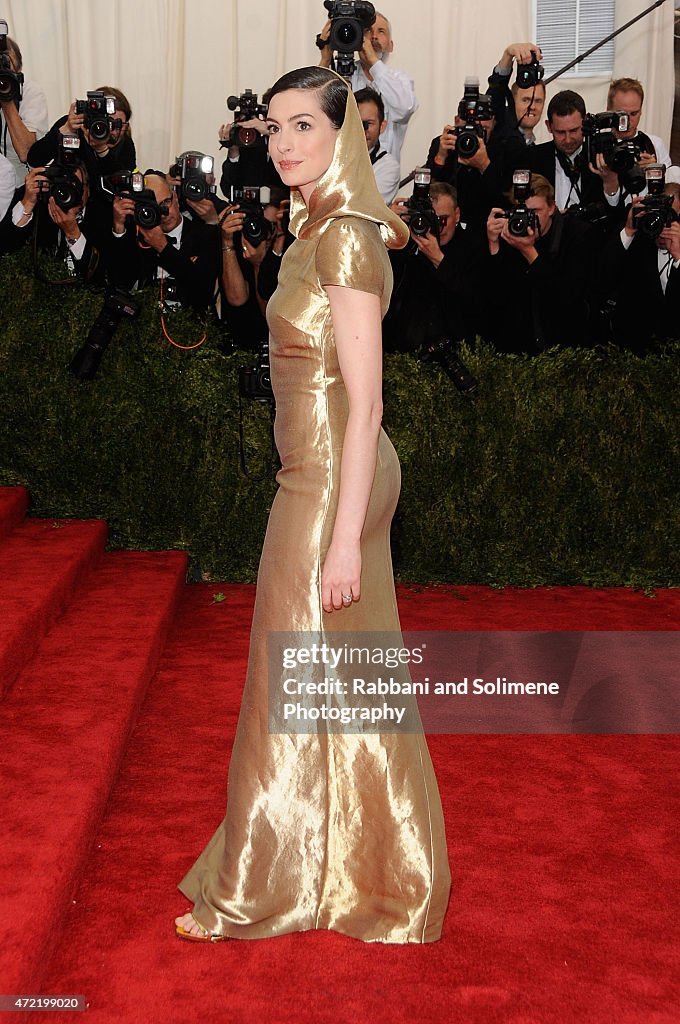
(398,95)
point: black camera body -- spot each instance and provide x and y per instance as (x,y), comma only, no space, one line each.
(655,212)
(130,184)
(62,184)
(245,108)
(529,75)
(599,135)
(11,81)
(117,304)
(195,171)
(350,19)
(255,381)
(98,110)
(251,201)
(472,109)
(420,216)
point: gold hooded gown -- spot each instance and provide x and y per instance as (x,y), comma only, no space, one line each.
(324,831)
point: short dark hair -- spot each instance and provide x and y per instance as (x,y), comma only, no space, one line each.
(331,88)
(122,102)
(441,190)
(371,96)
(565,103)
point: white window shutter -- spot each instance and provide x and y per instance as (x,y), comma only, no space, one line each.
(566,28)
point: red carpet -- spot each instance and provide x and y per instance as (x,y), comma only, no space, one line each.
(563,848)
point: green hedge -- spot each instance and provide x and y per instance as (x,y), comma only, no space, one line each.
(560,470)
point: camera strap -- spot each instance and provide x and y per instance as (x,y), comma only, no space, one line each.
(573,173)
(185,348)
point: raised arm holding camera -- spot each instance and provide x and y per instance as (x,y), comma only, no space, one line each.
(245,139)
(518,108)
(374,44)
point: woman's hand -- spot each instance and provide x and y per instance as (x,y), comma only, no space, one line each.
(341,575)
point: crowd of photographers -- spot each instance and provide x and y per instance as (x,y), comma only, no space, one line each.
(575,241)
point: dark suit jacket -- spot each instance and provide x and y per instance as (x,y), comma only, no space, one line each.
(195,266)
(639,310)
(530,307)
(542,161)
(95,226)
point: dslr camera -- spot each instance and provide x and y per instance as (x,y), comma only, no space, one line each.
(62,184)
(472,109)
(11,81)
(195,171)
(529,75)
(98,110)
(655,212)
(599,136)
(245,108)
(350,19)
(117,304)
(130,184)
(520,219)
(255,381)
(252,201)
(420,215)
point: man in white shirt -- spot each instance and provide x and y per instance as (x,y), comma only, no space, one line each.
(21,125)
(395,87)
(385,167)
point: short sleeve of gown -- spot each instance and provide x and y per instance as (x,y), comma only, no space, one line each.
(351,254)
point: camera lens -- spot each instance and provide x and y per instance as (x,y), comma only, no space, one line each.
(99,129)
(147,216)
(467,144)
(6,87)
(194,189)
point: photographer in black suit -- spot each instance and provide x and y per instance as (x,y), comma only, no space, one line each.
(435,280)
(182,255)
(538,278)
(76,234)
(642,266)
(563,162)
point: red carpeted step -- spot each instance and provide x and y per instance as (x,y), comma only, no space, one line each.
(43,562)
(14,502)
(64,728)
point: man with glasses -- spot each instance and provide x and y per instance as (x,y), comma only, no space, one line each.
(179,256)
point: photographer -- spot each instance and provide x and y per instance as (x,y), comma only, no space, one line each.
(22,121)
(385,167)
(246,141)
(539,271)
(75,234)
(195,188)
(242,307)
(481,178)
(628,96)
(563,162)
(184,251)
(395,87)
(435,279)
(517,109)
(101,156)
(642,266)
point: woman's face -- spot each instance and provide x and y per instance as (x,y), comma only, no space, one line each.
(301,138)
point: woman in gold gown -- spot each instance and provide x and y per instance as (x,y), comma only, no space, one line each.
(325,831)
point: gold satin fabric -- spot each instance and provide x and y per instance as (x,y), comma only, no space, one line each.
(324,831)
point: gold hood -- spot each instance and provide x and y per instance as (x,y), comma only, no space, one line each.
(347,189)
